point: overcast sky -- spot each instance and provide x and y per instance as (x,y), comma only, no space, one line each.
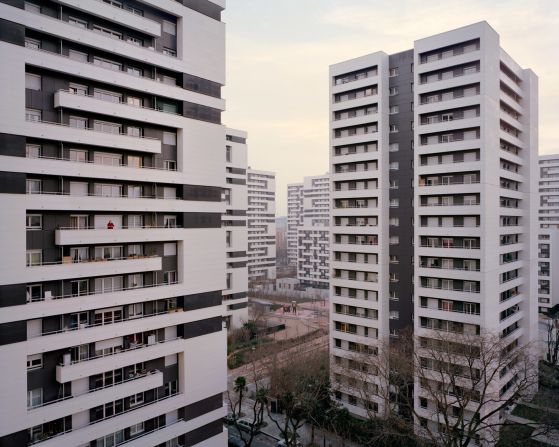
(278,53)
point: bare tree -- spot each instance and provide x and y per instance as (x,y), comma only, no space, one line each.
(464,384)
(552,340)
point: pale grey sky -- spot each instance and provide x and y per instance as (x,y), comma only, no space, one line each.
(278,53)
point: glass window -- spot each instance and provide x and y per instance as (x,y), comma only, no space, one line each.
(135,250)
(135,310)
(108,190)
(32,43)
(169,221)
(34,292)
(169,27)
(78,122)
(135,41)
(134,161)
(103,126)
(169,193)
(134,101)
(33,115)
(103,158)
(77,22)
(34,221)
(80,287)
(32,81)
(79,189)
(34,398)
(170,277)
(108,284)
(32,150)
(228,153)
(34,361)
(105,63)
(137,428)
(134,71)
(136,280)
(134,191)
(170,138)
(169,52)
(108,96)
(107,32)
(32,7)
(77,56)
(78,222)
(135,221)
(133,131)
(33,257)
(170,165)
(78,155)
(34,186)
(77,89)
(169,249)
(109,252)
(135,11)
(167,80)
(79,254)
(137,399)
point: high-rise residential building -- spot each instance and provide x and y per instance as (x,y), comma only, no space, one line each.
(294,220)
(235,296)
(549,191)
(313,235)
(111,323)
(474,120)
(261,225)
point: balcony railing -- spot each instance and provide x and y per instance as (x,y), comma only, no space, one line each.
(466,269)
(91,194)
(82,261)
(464,247)
(451,289)
(359,315)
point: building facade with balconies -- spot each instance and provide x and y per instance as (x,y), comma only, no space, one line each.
(313,235)
(471,157)
(235,296)
(261,225)
(294,220)
(111,327)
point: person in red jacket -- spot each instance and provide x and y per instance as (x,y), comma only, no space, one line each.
(110,225)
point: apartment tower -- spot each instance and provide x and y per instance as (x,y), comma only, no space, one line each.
(235,296)
(261,225)
(110,145)
(313,235)
(294,220)
(473,131)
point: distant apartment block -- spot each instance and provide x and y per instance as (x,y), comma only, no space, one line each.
(313,233)
(261,225)
(548,213)
(438,142)
(235,195)
(294,220)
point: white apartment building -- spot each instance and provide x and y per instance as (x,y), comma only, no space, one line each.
(313,235)
(474,117)
(294,220)
(235,296)
(261,225)
(549,191)
(111,327)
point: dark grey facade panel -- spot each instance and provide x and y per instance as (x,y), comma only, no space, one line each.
(404,212)
(201,85)
(237,306)
(237,171)
(203,406)
(13,332)
(200,112)
(201,193)
(19,438)
(200,327)
(12,32)
(236,212)
(236,181)
(12,182)
(236,254)
(236,265)
(235,223)
(201,220)
(204,7)
(235,139)
(238,295)
(13,145)
(202,300)
(205,432)
(12,295)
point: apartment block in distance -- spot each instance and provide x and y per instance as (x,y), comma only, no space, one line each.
(235,296)
(113,248)
(313,235)
(474,143)
(261,225)
(294,220)
(548,238)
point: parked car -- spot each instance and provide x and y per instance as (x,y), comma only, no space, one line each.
(246,425)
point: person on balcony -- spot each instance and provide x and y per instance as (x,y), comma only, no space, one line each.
(110,225)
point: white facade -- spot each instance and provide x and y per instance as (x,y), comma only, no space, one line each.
(261,225)
(294,219)
(235,295)
(113,247)
(313,235)
(475,119)
(549,191)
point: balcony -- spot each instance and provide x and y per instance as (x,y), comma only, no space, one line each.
(63,132)
(73,370)
(92,104)
(115,14)
(82,236)
(67,268)
(59,408)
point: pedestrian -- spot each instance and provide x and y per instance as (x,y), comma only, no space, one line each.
(110,225)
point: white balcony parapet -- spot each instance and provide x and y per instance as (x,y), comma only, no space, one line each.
(72,236)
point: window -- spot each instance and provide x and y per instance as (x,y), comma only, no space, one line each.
(79,189)
(393,128)
(33,115)
(107,32)
(133,131)
(393,91)
(135,11)
(108,96)
(78,155)
(34,292)
(135,250)
(134,71)
(80,287)
(135,41)
(34,361)
(169,27)
(33,186)
(394,259)
(105,63)
(77,22)
(394,203)
(394,240)
(169,249)
(32,82)
(77,56)
(394,221)
(32,151)
(170,138)
(103,126)
(78,222)
(394,165)
(78,122)
(34,221)
(77,89)
(137,399)
(169,221)
(108,190)
(169,52)
(114,3)
(394,110)
(108,284)
(169,193)
(108,316)
(423,402)
(32,7)
(107,159)
(135,221)
(170,165)
(167,80)
(109,252)
(134,191)
(32,43)
(393,72)
(170,277)
(228,154)
(135,310)
(228,235)
(34,398)
(134,101)
(110,440)
(134,161)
